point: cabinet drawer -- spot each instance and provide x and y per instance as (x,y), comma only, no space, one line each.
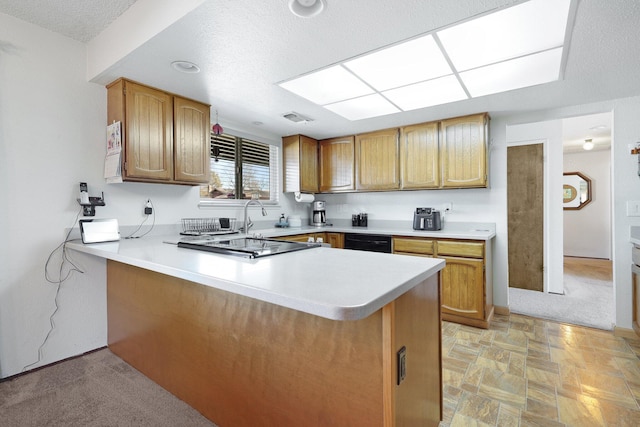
(459,248)
(418,246)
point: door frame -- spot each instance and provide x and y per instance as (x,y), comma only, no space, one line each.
(549,133)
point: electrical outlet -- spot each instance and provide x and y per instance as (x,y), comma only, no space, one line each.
(148,208)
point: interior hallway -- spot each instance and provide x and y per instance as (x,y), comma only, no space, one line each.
(587,301)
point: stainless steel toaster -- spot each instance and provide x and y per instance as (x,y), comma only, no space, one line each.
(427,219)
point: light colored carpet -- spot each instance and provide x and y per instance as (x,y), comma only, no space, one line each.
(587,302)
(97,389)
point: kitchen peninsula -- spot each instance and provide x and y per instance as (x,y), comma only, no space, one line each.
(316,337)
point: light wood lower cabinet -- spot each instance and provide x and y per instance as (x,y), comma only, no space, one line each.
(336,240)
(466,280)
(244,362)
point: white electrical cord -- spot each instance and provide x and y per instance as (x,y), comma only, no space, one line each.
(58,282)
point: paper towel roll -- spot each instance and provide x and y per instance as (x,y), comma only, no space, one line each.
(304,198)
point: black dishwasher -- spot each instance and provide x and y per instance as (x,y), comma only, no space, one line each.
(368,242)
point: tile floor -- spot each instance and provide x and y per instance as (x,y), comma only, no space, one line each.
(525,371)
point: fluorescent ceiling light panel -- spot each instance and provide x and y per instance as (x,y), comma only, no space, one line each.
(405,63)
(363,108)
(520,30)
(522,72)
(328,86)
(426,94)
(512,48)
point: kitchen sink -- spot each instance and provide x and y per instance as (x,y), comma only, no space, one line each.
(248,247)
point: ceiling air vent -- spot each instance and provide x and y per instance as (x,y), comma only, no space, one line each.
(296,117)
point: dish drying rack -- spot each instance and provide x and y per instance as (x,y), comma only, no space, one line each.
(208,226)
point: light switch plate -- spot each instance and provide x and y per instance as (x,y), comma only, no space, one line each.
(633,208)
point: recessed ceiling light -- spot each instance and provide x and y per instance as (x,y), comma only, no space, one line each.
(185,67)
(588,144)
(306,8)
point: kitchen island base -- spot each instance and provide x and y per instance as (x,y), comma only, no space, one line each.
(244,362)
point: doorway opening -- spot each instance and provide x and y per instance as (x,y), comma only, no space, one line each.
(577,285)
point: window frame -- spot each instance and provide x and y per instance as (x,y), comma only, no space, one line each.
(274,173)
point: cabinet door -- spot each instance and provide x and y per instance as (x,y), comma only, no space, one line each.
(300,164)
(463,147)
(377,160)
(149,133)
(336,240)
(419,156)
(463,287)
(192,149)
(337,164)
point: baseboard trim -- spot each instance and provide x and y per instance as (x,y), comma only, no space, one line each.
(503,311)
(625,333)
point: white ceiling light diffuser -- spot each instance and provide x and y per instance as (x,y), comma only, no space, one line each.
(363,107)
(515,47)
(427,94)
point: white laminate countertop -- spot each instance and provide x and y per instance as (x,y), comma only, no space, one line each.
(332,283)
(450,230)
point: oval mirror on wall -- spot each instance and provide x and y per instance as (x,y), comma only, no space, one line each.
(576,190)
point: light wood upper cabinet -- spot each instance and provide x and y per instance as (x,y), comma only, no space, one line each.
(165,138)
(419,156)
(337,164)
(192,158)
(377,165)
(300,164)
(463,145)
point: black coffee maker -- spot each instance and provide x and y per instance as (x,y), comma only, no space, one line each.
(319,215)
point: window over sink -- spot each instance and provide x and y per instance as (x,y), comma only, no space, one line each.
(241,169)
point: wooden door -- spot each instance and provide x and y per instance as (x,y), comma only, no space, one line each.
(337,164)
(377,161)
(419,157)
(526,216)
(149,133)
(463,145)
(463,287)
(192,149)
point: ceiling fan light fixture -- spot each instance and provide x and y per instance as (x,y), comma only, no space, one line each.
(306,8)
(588,144)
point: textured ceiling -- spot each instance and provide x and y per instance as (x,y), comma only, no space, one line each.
(80,20)
(245,47)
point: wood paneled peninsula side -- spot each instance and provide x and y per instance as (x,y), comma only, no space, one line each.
(310,338)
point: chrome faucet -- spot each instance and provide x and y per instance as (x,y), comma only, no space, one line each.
(247,221)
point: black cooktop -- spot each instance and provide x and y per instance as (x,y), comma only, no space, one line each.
(248,247)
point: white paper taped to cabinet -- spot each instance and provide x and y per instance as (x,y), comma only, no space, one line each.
(304,198)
